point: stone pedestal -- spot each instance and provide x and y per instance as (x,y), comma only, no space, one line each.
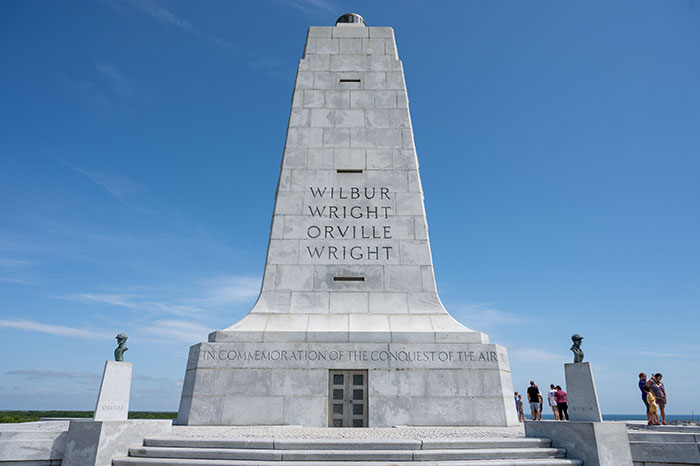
(96,443)
(581,392)
(419,384)
(596,443)
(115,390)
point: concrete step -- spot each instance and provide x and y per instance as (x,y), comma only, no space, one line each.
(346,455)
(658,429)
(348,444)
(180,451)
(676,437)
(671,452)
(129,461)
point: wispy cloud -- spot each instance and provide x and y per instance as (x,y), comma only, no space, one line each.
(269,66)
(485,315)
(164,16)
(181,330)
(157,12)
(314,5)
(664,355)
(16,271)
(59,330)
(199,297)
(8,263)
(87,90)
(116,79)
(227,289)
(119,187)
(529,355)
(47,374)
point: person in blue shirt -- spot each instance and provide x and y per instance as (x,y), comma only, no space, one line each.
(643,383)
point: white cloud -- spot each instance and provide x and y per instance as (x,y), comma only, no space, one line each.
(44,374)
(59,330)
(122,189)
(16,271)
(484,315)
(167,17)
(529,355)
(663,355)
(199,297)
(181,330)
(270,66)
(157,12)
(228,289)
(113,299)
(7,263)
(116,79)
(314,5)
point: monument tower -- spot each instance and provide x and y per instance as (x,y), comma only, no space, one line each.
(348,330)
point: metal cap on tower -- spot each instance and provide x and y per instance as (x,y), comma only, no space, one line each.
(351,18)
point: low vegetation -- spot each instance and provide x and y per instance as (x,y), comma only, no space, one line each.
(30,416)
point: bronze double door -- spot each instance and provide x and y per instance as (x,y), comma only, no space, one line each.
(347,398)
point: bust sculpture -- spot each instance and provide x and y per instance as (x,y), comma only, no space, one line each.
(576,347)
(121,347)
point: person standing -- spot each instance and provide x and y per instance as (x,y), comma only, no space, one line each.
(562,405)
(642,384)
(651,399)
(553,401)
(657,386)
(519,407)
(534,397)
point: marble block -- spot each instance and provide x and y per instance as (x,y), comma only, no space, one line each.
(97,443)
(581,392)
(596,443)
(115,389)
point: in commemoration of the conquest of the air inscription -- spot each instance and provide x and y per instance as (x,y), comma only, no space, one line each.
(395,355)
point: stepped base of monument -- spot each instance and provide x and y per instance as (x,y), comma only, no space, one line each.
(345,447)
(420,383)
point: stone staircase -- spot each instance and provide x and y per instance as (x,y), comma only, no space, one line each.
(664,445)
(174,451)
(33,443)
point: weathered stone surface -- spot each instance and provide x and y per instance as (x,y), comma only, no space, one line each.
(582,395)
(664,445)
(349,281)
(115,390)
(96,443)
(596,443)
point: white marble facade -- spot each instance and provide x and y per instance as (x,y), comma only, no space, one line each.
(348,269)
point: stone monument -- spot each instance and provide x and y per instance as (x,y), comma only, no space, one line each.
(94,442)
(585,436)
(348,330)
(580,385)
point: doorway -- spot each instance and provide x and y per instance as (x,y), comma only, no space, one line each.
(347,398)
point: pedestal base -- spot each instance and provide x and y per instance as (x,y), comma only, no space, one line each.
(596,443)
(115,390)
(417,384)
(96,443)
(581,392)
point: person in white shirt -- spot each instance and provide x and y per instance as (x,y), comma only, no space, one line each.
(553,402)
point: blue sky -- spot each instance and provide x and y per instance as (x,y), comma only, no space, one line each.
(140,144)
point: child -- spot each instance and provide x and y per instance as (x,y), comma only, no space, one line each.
(519,404)
(651,399)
